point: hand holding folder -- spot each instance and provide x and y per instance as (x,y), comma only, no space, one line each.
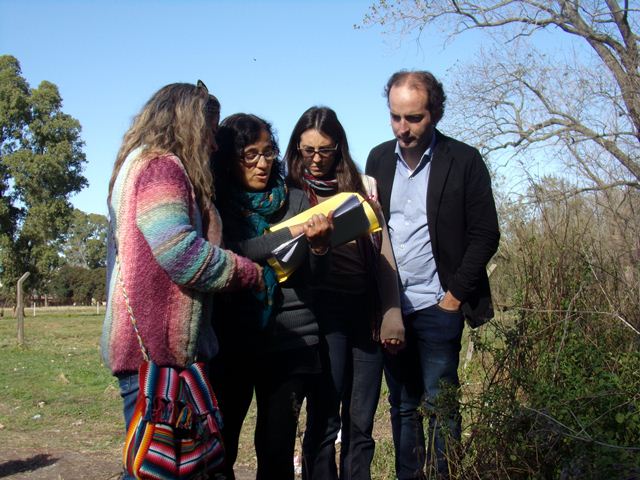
(352,218)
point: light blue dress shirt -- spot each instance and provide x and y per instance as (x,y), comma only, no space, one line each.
(409,233)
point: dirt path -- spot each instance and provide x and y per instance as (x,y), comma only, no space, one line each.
(56,464)
(65,465)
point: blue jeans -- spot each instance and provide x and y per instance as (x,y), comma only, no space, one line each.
(129,392)
(427,364)
(352,369)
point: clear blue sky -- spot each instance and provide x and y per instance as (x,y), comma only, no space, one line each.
(274,59)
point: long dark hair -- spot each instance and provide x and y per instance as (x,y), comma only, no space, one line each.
(326,122)
(235,133)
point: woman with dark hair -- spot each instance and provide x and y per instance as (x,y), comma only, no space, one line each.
(357,306)
(164,239)
(269,340)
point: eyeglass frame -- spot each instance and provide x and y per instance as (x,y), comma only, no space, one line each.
(324,152)
(253,162)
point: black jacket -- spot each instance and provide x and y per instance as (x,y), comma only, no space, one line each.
(461,214)
(294,325)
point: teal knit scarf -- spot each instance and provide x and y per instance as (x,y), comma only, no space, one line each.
(255,209)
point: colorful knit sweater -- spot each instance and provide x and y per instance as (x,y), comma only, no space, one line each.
(167,266)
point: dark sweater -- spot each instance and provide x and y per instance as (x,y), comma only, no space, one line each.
(293,325)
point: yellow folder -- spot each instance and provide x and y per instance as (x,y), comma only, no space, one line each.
(353,217)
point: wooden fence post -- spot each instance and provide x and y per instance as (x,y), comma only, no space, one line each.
(20,308)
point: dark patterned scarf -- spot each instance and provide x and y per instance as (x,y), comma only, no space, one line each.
(325,187)
(255,209)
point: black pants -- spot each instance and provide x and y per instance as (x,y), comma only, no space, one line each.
(281,382)
(278,410)
(348,397)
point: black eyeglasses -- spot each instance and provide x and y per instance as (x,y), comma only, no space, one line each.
(324,152)
(252,158)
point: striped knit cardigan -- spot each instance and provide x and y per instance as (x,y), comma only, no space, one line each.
(167,266)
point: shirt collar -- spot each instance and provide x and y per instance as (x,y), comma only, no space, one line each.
(424,159)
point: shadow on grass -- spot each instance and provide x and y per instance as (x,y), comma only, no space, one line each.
(28,465)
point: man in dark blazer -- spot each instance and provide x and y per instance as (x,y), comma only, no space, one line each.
(435,193)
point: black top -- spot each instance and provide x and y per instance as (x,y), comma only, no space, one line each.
(293,325)
(461,214)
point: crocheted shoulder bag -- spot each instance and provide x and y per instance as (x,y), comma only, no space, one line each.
(175,429)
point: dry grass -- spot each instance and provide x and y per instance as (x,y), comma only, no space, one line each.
(56,392)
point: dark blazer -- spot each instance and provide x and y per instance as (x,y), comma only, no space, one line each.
(462,218)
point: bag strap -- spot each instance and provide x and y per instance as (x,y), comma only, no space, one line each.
(143,349)
(370,186)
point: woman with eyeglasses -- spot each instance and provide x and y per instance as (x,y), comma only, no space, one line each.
(357,306)
(268,341)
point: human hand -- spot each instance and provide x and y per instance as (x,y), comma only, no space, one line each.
(296,230)
(318,230)
(393,345)
(450,303)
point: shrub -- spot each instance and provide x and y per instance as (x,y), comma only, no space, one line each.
(559,369)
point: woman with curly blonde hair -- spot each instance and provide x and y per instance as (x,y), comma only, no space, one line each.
(164,239)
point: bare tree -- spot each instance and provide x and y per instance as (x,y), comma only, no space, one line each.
(580,106)
(555,90)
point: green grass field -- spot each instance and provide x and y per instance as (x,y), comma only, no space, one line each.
(57,394)
(55,391)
